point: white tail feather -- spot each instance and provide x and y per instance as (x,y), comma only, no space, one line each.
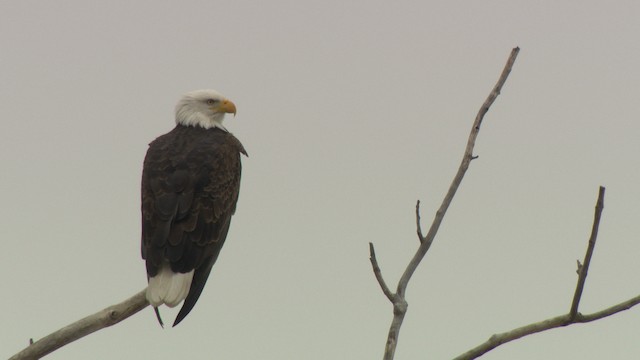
(168,288)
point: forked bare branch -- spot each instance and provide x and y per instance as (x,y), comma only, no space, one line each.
(398,299)
(558,321)
(573,316)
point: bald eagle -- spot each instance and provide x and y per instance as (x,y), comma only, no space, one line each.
(190,186)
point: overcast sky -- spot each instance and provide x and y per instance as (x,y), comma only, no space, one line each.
(350,112)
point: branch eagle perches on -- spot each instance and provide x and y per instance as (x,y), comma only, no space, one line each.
(83,327)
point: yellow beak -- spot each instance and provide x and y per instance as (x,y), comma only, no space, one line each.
(228,107)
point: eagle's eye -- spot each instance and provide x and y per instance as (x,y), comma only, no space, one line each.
(211,101)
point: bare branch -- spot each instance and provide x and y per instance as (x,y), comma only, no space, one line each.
(558,321)
(584,267)
(466,159)
(378,273)
(573,317)
(100,320)
(399,302)
(625,305)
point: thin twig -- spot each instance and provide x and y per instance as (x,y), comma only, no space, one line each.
(378,274)
(399,302)
(100,320)
(418,228)
(583,268)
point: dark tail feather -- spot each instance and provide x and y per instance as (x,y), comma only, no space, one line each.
(197,284)
(158,317)
(200,277)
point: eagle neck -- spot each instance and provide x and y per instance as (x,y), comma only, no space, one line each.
(201,128)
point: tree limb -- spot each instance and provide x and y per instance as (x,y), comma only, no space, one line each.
(573,317)
(398,299)
(558,321)
(100,320)
(466,160)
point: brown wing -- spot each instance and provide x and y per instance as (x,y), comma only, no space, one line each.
(190,186)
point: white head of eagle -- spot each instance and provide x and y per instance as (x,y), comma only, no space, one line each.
(190,187)
(204,108)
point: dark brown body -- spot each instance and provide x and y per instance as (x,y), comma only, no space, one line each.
(190,186)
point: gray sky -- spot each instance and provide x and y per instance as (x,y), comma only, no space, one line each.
(350,111)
